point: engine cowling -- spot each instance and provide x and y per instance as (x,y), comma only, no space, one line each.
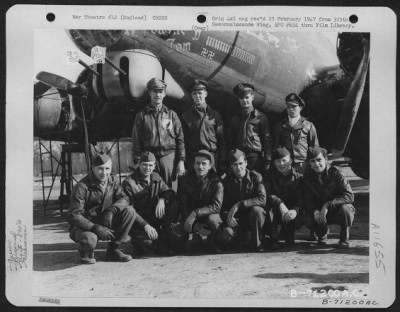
(52,112)
(140,66)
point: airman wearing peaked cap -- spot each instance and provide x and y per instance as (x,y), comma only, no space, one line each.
(294,99)
(242,89)
(156,83)
(158,129)
(203,127)
(295,132)
(250,130)
(199,84)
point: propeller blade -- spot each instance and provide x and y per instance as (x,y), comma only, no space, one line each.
(351,104)
(55,81)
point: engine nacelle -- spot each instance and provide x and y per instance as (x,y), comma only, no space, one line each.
(140,66)
(52,112)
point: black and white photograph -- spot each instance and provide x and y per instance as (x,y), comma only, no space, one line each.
(228,163)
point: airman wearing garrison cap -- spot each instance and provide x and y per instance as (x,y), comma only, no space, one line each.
(99,210)
(250,130)
(243,208)
(203,127)
(295,132)
(155,204)
(284,189)
(157,128)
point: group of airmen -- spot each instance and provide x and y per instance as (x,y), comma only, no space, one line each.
(192,183)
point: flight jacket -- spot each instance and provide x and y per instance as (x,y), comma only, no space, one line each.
(203,131)
(89,202)
(287,189)
(251,134)
(158,132)
(248,192)
(333,189)
(297,139)
(204,196)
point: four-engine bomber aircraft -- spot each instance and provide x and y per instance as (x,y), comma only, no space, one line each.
(101,104)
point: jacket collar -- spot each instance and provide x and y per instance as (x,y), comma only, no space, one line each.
(324,174)
(199,112)
(212,175)
(151,109)
(275,172)
(253,113)
(93,182)
(136,175)
(246,177)
(298,125)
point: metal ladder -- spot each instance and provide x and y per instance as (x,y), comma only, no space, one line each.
(47,187)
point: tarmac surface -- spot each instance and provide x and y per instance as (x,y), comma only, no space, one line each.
(303,270)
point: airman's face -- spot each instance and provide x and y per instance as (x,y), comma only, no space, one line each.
(146,167)
(239,167)
(318,164)
(293,110)
(284,164)
(246,101)
(202,166)
(157,96)
(199,97)
(102,172)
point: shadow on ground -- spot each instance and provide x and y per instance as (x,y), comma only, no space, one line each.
(52,257)
(320,278)
(60,256)
(359,251)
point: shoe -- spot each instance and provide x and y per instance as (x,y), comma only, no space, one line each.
(343,245)
(117,255)
(260,249)
(87,257)
(321,241)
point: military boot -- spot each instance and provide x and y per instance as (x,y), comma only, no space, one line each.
(87,257)
(116,254)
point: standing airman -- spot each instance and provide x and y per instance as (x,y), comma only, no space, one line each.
(157,129)
(250,131)
(203,128)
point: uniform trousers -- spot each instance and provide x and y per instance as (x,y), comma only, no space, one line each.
(278,226)
(140,237)
(251,220)
(165,166)
(342,215)
(121,224)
